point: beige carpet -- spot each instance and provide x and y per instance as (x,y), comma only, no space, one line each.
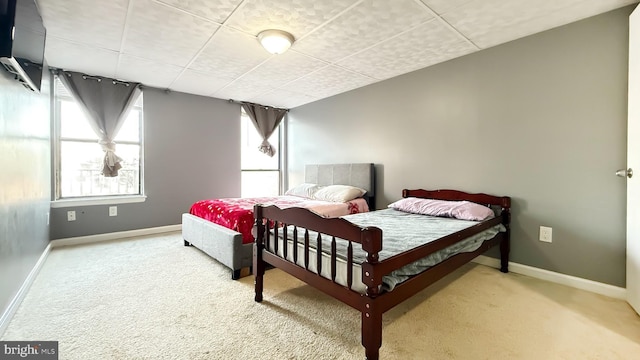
(153,298)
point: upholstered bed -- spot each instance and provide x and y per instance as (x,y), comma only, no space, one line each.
(231,243)
(427,235)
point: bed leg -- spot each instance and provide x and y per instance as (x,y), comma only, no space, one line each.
(371,332)
(504,255)
(235,275)
(186,243)
(258,269)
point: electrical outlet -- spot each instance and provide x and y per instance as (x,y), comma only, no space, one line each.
(546,234)
(113,211)
(71,215)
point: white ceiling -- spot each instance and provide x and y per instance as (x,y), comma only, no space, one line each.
(209,47)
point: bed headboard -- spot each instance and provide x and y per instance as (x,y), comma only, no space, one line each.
(361,175)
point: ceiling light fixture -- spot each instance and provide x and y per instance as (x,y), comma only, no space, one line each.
(275,41)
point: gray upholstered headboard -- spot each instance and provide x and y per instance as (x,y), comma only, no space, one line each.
(361,175)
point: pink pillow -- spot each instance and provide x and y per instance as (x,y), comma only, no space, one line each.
(464,210)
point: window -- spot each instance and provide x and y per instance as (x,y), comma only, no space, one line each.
(260,172)
(79,157)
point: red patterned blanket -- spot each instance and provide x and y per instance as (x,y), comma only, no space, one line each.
(237,213)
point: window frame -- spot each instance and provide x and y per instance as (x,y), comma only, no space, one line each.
(281,154)
(57,139)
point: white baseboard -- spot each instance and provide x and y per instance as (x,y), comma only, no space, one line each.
(15,303)
(114,235)
(568,280)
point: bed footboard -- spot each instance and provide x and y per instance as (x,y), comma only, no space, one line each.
(370,239)
(222,244)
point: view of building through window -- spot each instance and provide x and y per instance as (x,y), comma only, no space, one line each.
(260,172)
(80,157)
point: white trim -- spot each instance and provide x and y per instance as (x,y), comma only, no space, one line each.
(114,235)
(111,200)
(17,300)
(558,278)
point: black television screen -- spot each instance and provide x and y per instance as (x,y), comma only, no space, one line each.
(22,39)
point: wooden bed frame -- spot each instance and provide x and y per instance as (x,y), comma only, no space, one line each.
(374,303)
(225,245)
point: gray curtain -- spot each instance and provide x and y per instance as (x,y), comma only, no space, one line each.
(266,120)
(106,102)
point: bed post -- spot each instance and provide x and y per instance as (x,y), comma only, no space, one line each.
(258,245)
(371,330)
(505,244)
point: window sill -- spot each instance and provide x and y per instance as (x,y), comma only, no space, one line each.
(111,200)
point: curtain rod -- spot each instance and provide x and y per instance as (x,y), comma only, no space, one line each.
(246,102)
(58,71)
(91,77)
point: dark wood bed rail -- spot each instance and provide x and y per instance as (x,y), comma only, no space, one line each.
(309,220)
(373,303)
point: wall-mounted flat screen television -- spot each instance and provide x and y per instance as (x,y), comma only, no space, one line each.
(22,41)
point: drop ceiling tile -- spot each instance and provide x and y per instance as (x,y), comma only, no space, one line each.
(81,58)
(366,24)
(492,22)
(242,90)
(95,23)
(147,72)
(442,6)
(297,17)
(283,98)
(281,69)
(230,54)
(423,46)
(329,81)
(199,83)
(217,10)
(157,32)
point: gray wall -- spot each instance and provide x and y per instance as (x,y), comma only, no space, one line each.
(541,119)
(191,152)
(24,182)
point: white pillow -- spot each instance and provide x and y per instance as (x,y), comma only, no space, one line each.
(305,190)
(338,193)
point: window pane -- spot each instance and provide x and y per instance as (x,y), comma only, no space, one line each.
(130,130)
(260,183)
(74,124)
(82,164)
(252,158)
